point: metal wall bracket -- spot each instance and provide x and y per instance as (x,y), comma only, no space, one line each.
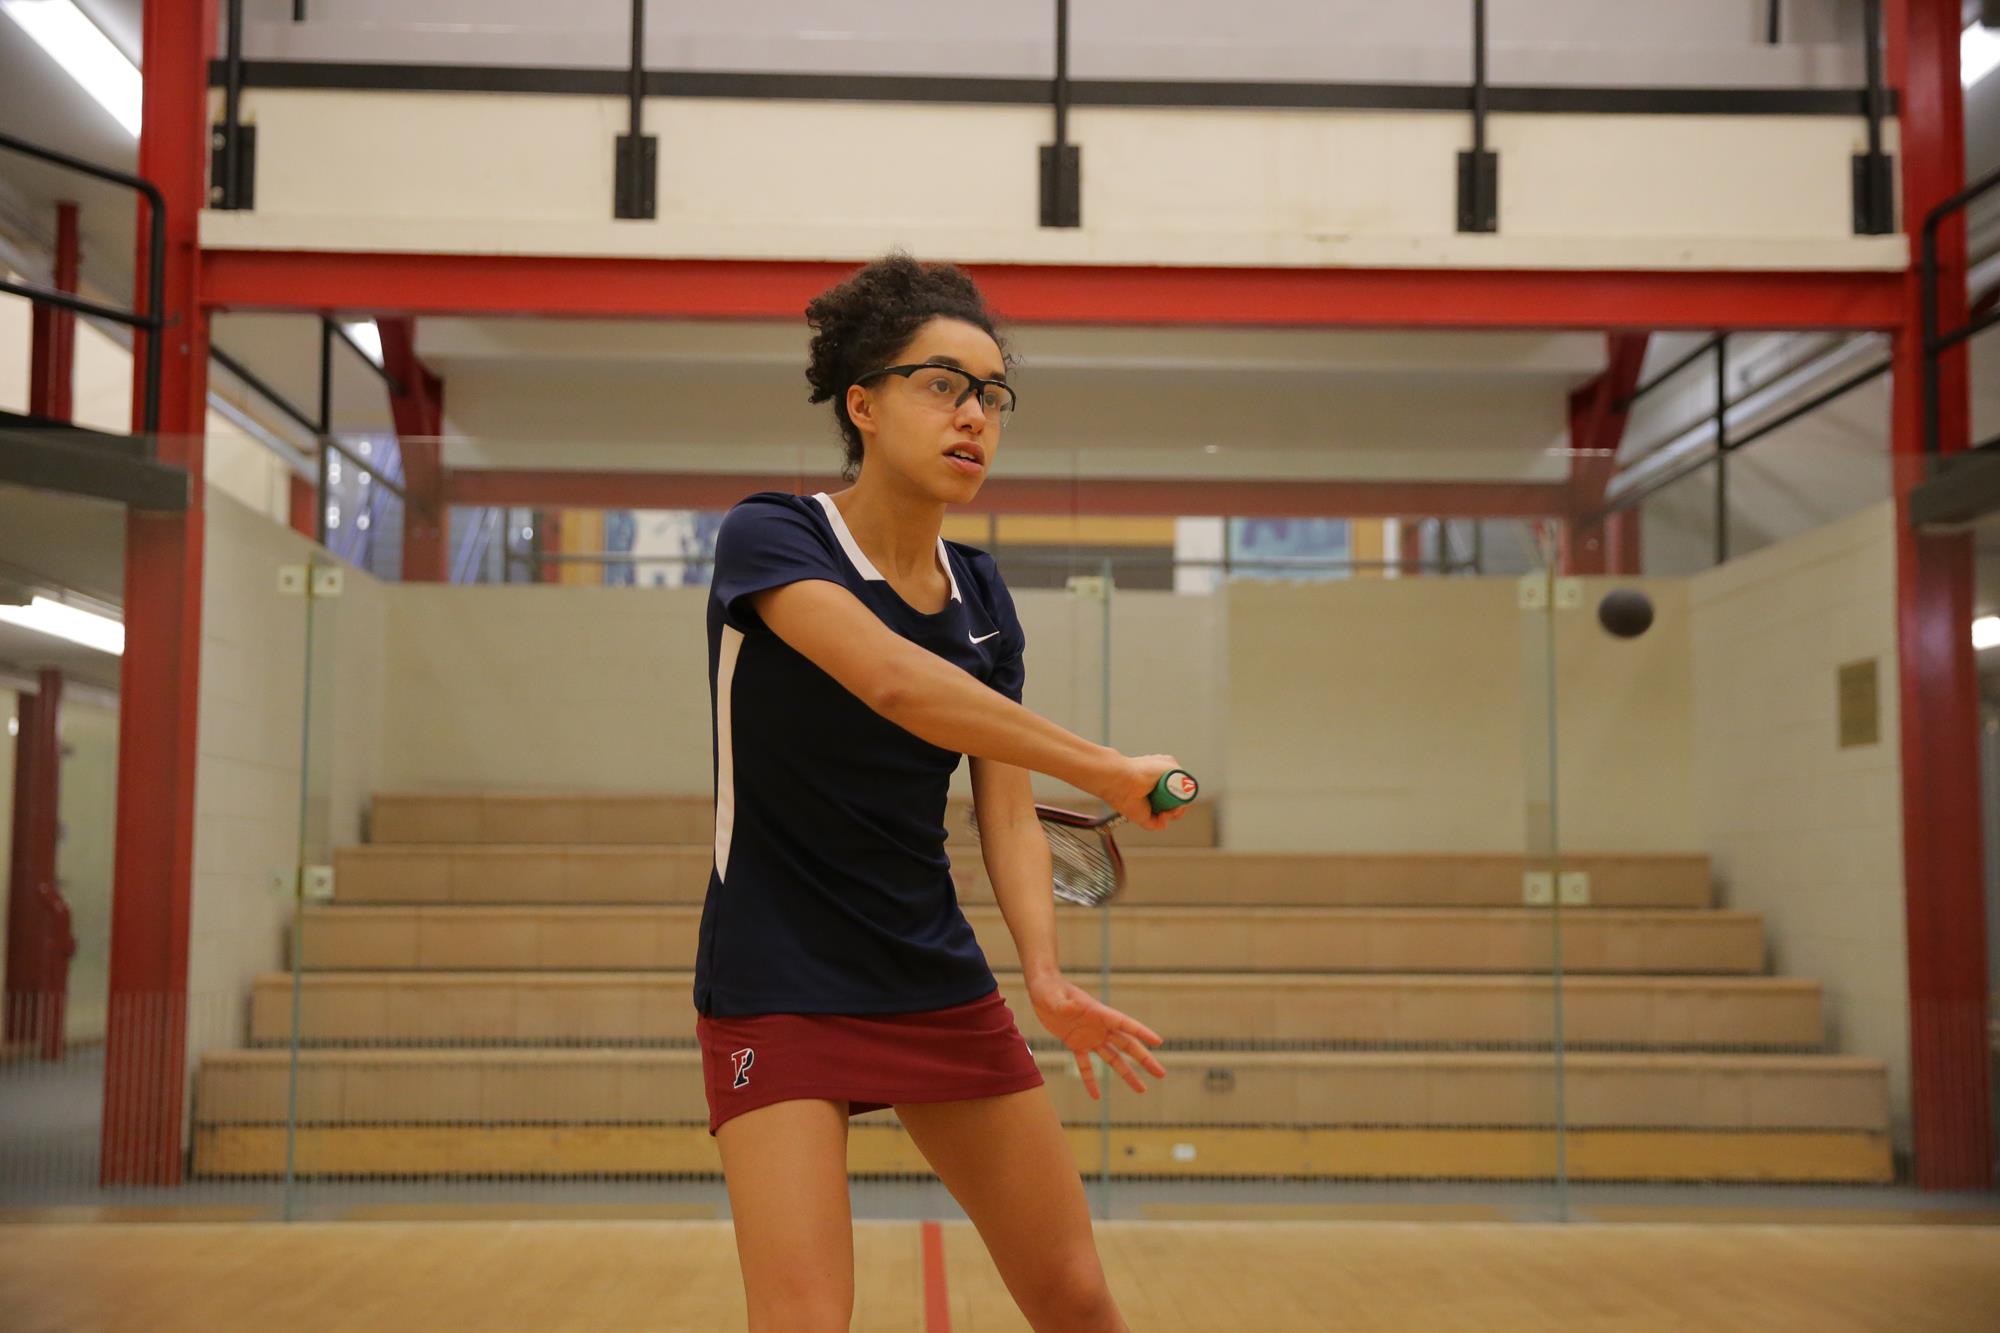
(1479,191)
(1874,194)
(223,193)
(1538,888)
(1533,593)
(292,580)
(328,581)
(637,171)
(1573,887)
(316,884)
(1062,185)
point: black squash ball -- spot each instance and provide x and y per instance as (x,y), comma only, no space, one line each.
(1625,612)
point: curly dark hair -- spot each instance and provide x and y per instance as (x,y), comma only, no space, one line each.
(863,322)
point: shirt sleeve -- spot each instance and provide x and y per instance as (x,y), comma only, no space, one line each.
(764,544)
(1010,673)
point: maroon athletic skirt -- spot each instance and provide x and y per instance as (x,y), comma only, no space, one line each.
(869,1061)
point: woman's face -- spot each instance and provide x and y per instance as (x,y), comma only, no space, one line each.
(937,431)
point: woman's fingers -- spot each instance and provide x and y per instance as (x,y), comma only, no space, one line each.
(1123,1070)
(1147,1060)
(1140,1030)
(1089,1074)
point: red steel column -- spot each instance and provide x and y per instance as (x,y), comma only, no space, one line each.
(145,1045)
(1943,872)
(1621,542)
(39,944)
(1597,415)
(52,358)
(1410,548)
(418,410)
(304,503)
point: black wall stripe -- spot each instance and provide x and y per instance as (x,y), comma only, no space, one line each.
(296,74)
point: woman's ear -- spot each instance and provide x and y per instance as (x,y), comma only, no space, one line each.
(860,408)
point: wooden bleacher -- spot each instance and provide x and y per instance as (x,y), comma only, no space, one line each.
(501,987)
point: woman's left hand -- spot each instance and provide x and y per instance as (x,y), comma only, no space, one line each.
(1087,1025)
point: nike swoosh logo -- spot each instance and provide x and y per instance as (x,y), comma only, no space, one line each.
(984,637)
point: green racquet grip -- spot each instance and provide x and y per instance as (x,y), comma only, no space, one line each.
(1174,790)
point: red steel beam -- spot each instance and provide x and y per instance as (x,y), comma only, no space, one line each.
(389,283)
(52,354)
(145,1067)
(1597,415)
(1151,497)
(416,403)
(1944,888)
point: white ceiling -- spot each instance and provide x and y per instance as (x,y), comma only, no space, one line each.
(23,652)
(689,395)
(453,344)
(52,543)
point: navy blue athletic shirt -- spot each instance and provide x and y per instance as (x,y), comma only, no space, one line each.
(831,891)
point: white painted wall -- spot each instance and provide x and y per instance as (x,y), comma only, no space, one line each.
(1357,716)
(512,173)
(606,689)
(1409,716)
(1801,830)
(249,761)
(545,688)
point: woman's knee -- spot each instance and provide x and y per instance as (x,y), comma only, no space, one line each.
(1071,1296)
(805,1306)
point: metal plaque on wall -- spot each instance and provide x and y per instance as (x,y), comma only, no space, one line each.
(1860,705)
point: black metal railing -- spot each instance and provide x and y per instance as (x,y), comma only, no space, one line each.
(1939,341)
(1725,444)
(152,322)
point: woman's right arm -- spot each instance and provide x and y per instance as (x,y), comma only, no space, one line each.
(936,701)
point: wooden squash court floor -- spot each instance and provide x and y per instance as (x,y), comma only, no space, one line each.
(1170,1276)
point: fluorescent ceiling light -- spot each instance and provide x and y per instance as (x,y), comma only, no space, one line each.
(1978,54)
(1986,632)
(68,622)
(85,53)
(367,337)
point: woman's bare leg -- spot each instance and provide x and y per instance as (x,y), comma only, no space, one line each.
(786,1165)
(1007,1162)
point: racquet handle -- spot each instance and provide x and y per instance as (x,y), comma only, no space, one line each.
(1174,790)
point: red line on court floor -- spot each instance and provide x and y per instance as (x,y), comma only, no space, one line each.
(937,1304)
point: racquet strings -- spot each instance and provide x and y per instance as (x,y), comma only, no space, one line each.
(1082,866)
(1079,862)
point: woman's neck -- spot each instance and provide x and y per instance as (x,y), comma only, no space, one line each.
(898,528)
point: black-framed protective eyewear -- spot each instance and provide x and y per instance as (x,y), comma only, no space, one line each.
(952,386)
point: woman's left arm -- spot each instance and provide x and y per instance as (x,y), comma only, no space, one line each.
(1016,853)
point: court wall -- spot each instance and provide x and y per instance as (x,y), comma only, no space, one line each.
(1802,830)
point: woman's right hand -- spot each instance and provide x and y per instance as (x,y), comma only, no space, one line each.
(1130,784)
